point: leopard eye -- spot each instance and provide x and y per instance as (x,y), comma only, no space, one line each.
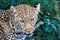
(22,21)
(32,19)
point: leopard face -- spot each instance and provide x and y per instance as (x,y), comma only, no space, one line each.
(24,17)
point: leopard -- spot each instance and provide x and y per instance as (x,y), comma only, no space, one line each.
(19,21)
(4,24)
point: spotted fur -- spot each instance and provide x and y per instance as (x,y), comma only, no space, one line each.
(19,20)
(24,17)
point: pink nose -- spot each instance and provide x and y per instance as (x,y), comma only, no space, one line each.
(29,30)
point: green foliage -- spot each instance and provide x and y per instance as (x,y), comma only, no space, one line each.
(4,4)
(47,28)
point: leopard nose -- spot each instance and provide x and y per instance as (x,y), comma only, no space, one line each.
(29,30)
(26,31)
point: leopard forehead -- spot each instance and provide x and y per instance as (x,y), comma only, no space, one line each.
(25,10)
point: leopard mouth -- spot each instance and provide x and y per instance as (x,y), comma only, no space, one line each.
(19,33)
(29,35)
(20,36)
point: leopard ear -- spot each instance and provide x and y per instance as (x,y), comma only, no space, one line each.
(12,9)
(38,7)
